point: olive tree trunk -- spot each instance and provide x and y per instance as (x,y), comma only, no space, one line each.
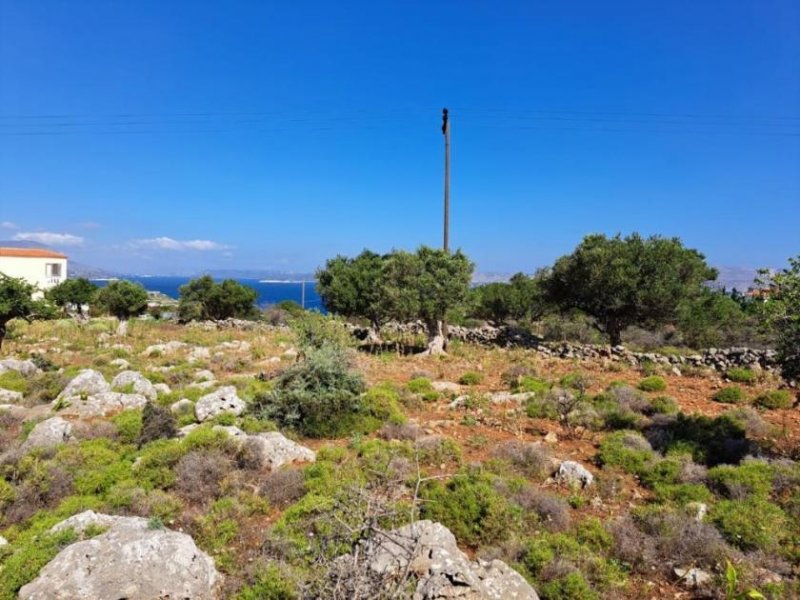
(436,339)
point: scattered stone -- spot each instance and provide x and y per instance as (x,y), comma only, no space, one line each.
(199,353)
(129,560)
(187,429)
(98,405)
(698,509)
(428,551)
(459,402)
(3,541)
(166,348)
(290,354)
(574,474)
(551,437)
(692,577)
(205,375)
(162,388)
(26,368)
(503,397)
(232,431)
(223,400)
(446,386)
(236,345)
(137,382)
(48,434)
(273,449)
(86,383)
(184,406)
(120,363)
(10,396)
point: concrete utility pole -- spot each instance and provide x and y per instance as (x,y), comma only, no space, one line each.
(446,132)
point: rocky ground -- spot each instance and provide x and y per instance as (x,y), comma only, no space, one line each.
(525,474)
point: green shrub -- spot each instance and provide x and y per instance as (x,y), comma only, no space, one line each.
(129,425)
(710,441)
(320,397)
(14,381)
(572,586)
(531,385)
(541,408)
(470,506)
(383,401)
(576,381)
(730,395)
(470,378)
(628,450)
(314,330)
(774,399)
(751,524)
(420,385)
(270,584)
(750,478)
(682,493)
(664,405)
(28,558)
(654,383)
(741,375)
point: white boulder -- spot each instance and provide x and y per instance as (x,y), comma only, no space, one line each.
(223,400)
(138,383)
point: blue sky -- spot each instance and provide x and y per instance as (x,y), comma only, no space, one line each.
(166,137)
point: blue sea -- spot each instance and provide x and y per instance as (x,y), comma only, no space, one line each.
(269,292)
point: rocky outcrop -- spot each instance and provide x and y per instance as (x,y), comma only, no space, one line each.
(10,396)
(427,553)
(138,383)
(48,434)
(574,474)
(98,405)
(223,400)
(26,368)
(272,448)
(86,383)
(128,560)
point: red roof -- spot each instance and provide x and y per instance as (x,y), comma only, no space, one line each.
(31,253)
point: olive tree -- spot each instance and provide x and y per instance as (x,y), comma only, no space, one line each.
(72,293)
(425,285)
(17,302)
(123,299)
(627,281)
(519,299)
(781,312)
(204,299)
(353,287)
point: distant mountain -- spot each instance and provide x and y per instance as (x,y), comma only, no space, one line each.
(741,278)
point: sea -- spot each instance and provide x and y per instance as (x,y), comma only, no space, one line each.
(269,291)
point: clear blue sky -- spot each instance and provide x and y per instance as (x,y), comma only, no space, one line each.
(159,137)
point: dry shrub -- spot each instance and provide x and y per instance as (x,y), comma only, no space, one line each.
(158,422)
(43,491)
(534,460)
(552,510)
(609,483)
(199,475)
(283,487)
(248,455)
(94,430)
(752,422)
(9,429)
(403,431)
(514,375)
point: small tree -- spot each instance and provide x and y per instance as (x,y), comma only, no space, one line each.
(203,299)
(627,281)
(781,312)
(353,287)
(519,299)
(72,293)
(16,302)
(425,285)
(123,299)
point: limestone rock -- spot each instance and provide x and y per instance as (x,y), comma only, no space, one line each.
(162,388)
(446,386)
(199,353)
(138,382)
(275,450)
(692,577)
(428,550)
(171,346)
(10,396)
(223,400)
(129,560)
(120,363)
(99,405)
(184,406)
(574,474)
(3,541)
(503,397)
(26,368)
(205,375)
(86,383)
(48,433)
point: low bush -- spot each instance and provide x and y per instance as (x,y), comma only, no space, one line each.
(470,506)
(751,524)
(14,381)
(531,384)
(628,450)
(199,475)
(741,375)
(271,583)
(321,397)
(572,586)
(283,487)
(532,460)
(710,441)
(730,395)
(552,511)
(774,399)
(750,478)
(420,385)
(664,405)
(654,383)
(470,378)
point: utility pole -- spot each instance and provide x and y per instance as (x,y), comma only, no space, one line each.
(446,132)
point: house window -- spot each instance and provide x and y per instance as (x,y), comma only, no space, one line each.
(52,270)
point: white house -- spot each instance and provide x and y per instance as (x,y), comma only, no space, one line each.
(42,267)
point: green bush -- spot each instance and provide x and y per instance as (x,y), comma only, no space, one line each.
(420,385)
(750,478)
(664,405)
(383,402)
(270,584)
(710,441)
(314,330)
(572,586)
(774,399)
(129,425)
(741,375)
(14,381)
(470,378)
(730,395)
(654,383)
(531,385)
(321,397)
(28,558)
(751,524)
(682,493)
(470,506)
(628,450)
